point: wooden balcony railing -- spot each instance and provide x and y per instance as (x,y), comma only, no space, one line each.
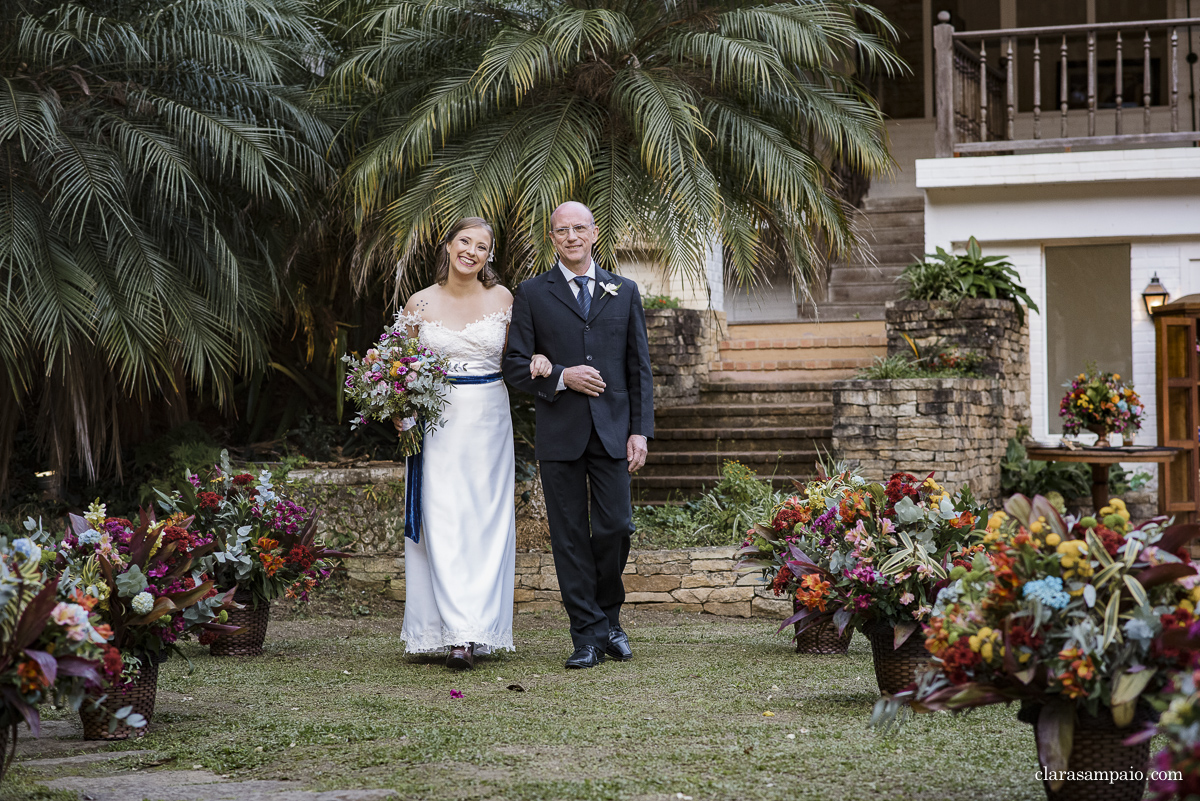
(977,100)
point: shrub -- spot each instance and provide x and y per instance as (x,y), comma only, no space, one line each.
(953,277)
(660,302)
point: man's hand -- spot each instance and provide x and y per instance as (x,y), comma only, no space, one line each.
(584,379)
(635,452)
(540,366)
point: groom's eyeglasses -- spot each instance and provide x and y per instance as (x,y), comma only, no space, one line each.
(580,230)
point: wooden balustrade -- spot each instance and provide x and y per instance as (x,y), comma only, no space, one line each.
(975,74)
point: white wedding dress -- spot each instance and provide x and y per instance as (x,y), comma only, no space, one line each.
(459,577)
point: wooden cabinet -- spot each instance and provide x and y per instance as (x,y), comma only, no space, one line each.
(1178,353)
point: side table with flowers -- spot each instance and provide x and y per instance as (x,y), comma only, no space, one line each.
(868,556)
(263,548)
(1072,618)
(53,646)
(139,580)
(1099,402)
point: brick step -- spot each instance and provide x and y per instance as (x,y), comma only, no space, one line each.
(745,415)
(757,392)
(659,490)
(743,439)
(783,376)
(849,362)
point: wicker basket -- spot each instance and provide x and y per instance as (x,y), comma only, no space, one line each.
(895,668)
(1098,746)
(139,693)
(823,638)
(248,641)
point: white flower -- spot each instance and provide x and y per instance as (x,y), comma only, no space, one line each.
(610,288)
(142,603)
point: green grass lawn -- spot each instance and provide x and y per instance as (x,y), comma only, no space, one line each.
(336,704)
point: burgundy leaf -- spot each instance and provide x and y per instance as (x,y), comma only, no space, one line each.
(46,662)
(35,617)
(1161,574)
(1178,535)
(13,699)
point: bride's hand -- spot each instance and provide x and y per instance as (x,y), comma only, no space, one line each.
(540,366)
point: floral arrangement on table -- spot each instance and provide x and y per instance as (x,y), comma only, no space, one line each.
(261,541)
(53,646)
(1180,724)
(401,379)
(1098,401)
(856,553)
(143,581)
(1062,613)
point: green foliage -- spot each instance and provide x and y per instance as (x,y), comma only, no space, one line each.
(155,165)
(900,366)
(1019,474)
(952,277)
(676,123)
(163,460)
(660,302)
(720,516)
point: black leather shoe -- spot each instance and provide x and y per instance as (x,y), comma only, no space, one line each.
(618,645)
(461,657)
(585,656)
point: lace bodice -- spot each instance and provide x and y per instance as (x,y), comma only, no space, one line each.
(479,346)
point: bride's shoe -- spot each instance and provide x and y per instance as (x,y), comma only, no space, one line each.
(461,657)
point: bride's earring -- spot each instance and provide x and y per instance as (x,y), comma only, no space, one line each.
(491,257)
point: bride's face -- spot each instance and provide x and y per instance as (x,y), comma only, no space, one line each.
(468,251)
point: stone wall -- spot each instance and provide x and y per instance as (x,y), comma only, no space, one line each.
(683,343)
(362,506)
(992,328)
(955,426)
(693,580)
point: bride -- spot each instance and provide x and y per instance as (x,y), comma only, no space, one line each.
(459,575)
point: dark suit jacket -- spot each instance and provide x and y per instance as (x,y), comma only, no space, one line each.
(546,319)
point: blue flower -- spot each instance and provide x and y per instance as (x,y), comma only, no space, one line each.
(89,537)
(1049,591)
(27,549)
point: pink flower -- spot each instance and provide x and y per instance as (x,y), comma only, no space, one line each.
(455,694)
(907,598)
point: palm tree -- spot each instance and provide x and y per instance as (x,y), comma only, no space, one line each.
(677,121)
(155,162)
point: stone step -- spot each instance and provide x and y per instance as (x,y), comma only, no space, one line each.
(708,463)
(894,230)
(756,392)
(687,440)
(745,415)
(876,294)
(783,376)
(659,490)
(876,206)
(816,369)
(858,275)
(892,255)
(841,311)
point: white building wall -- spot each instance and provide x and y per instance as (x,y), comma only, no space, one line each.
(1018,205)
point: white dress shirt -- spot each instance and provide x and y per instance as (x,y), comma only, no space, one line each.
(571,282)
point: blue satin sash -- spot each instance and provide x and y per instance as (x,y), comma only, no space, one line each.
(414,466)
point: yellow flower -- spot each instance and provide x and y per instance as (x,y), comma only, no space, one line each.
(1188,605)
(1053,539)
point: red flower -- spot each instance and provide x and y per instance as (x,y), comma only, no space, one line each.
(209,500)
(958,659)
(899,486)
(185,539)
(1020,635)
(208,637)
(1111,540)
(779,585)
(113,664)
(301,556)
(243,480)
(788,518)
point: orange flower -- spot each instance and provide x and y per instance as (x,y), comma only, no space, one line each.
(32,678)
(1081,669)
(271,563)
(104,630)
(88,602)
(267,544)
(855,506)
(812,592)
(965,520)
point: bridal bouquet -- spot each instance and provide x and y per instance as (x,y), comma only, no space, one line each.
(400,378)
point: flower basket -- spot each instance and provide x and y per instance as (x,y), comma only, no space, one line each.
(895,668)
(1098,745)
(821,638)
(139,693)
(248,641)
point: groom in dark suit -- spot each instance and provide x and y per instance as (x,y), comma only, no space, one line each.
(595,411)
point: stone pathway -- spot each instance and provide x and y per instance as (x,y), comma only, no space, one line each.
(96,775)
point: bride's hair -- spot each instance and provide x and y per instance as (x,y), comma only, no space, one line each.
(441,268)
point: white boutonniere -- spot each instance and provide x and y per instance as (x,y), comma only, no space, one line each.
(610,288)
